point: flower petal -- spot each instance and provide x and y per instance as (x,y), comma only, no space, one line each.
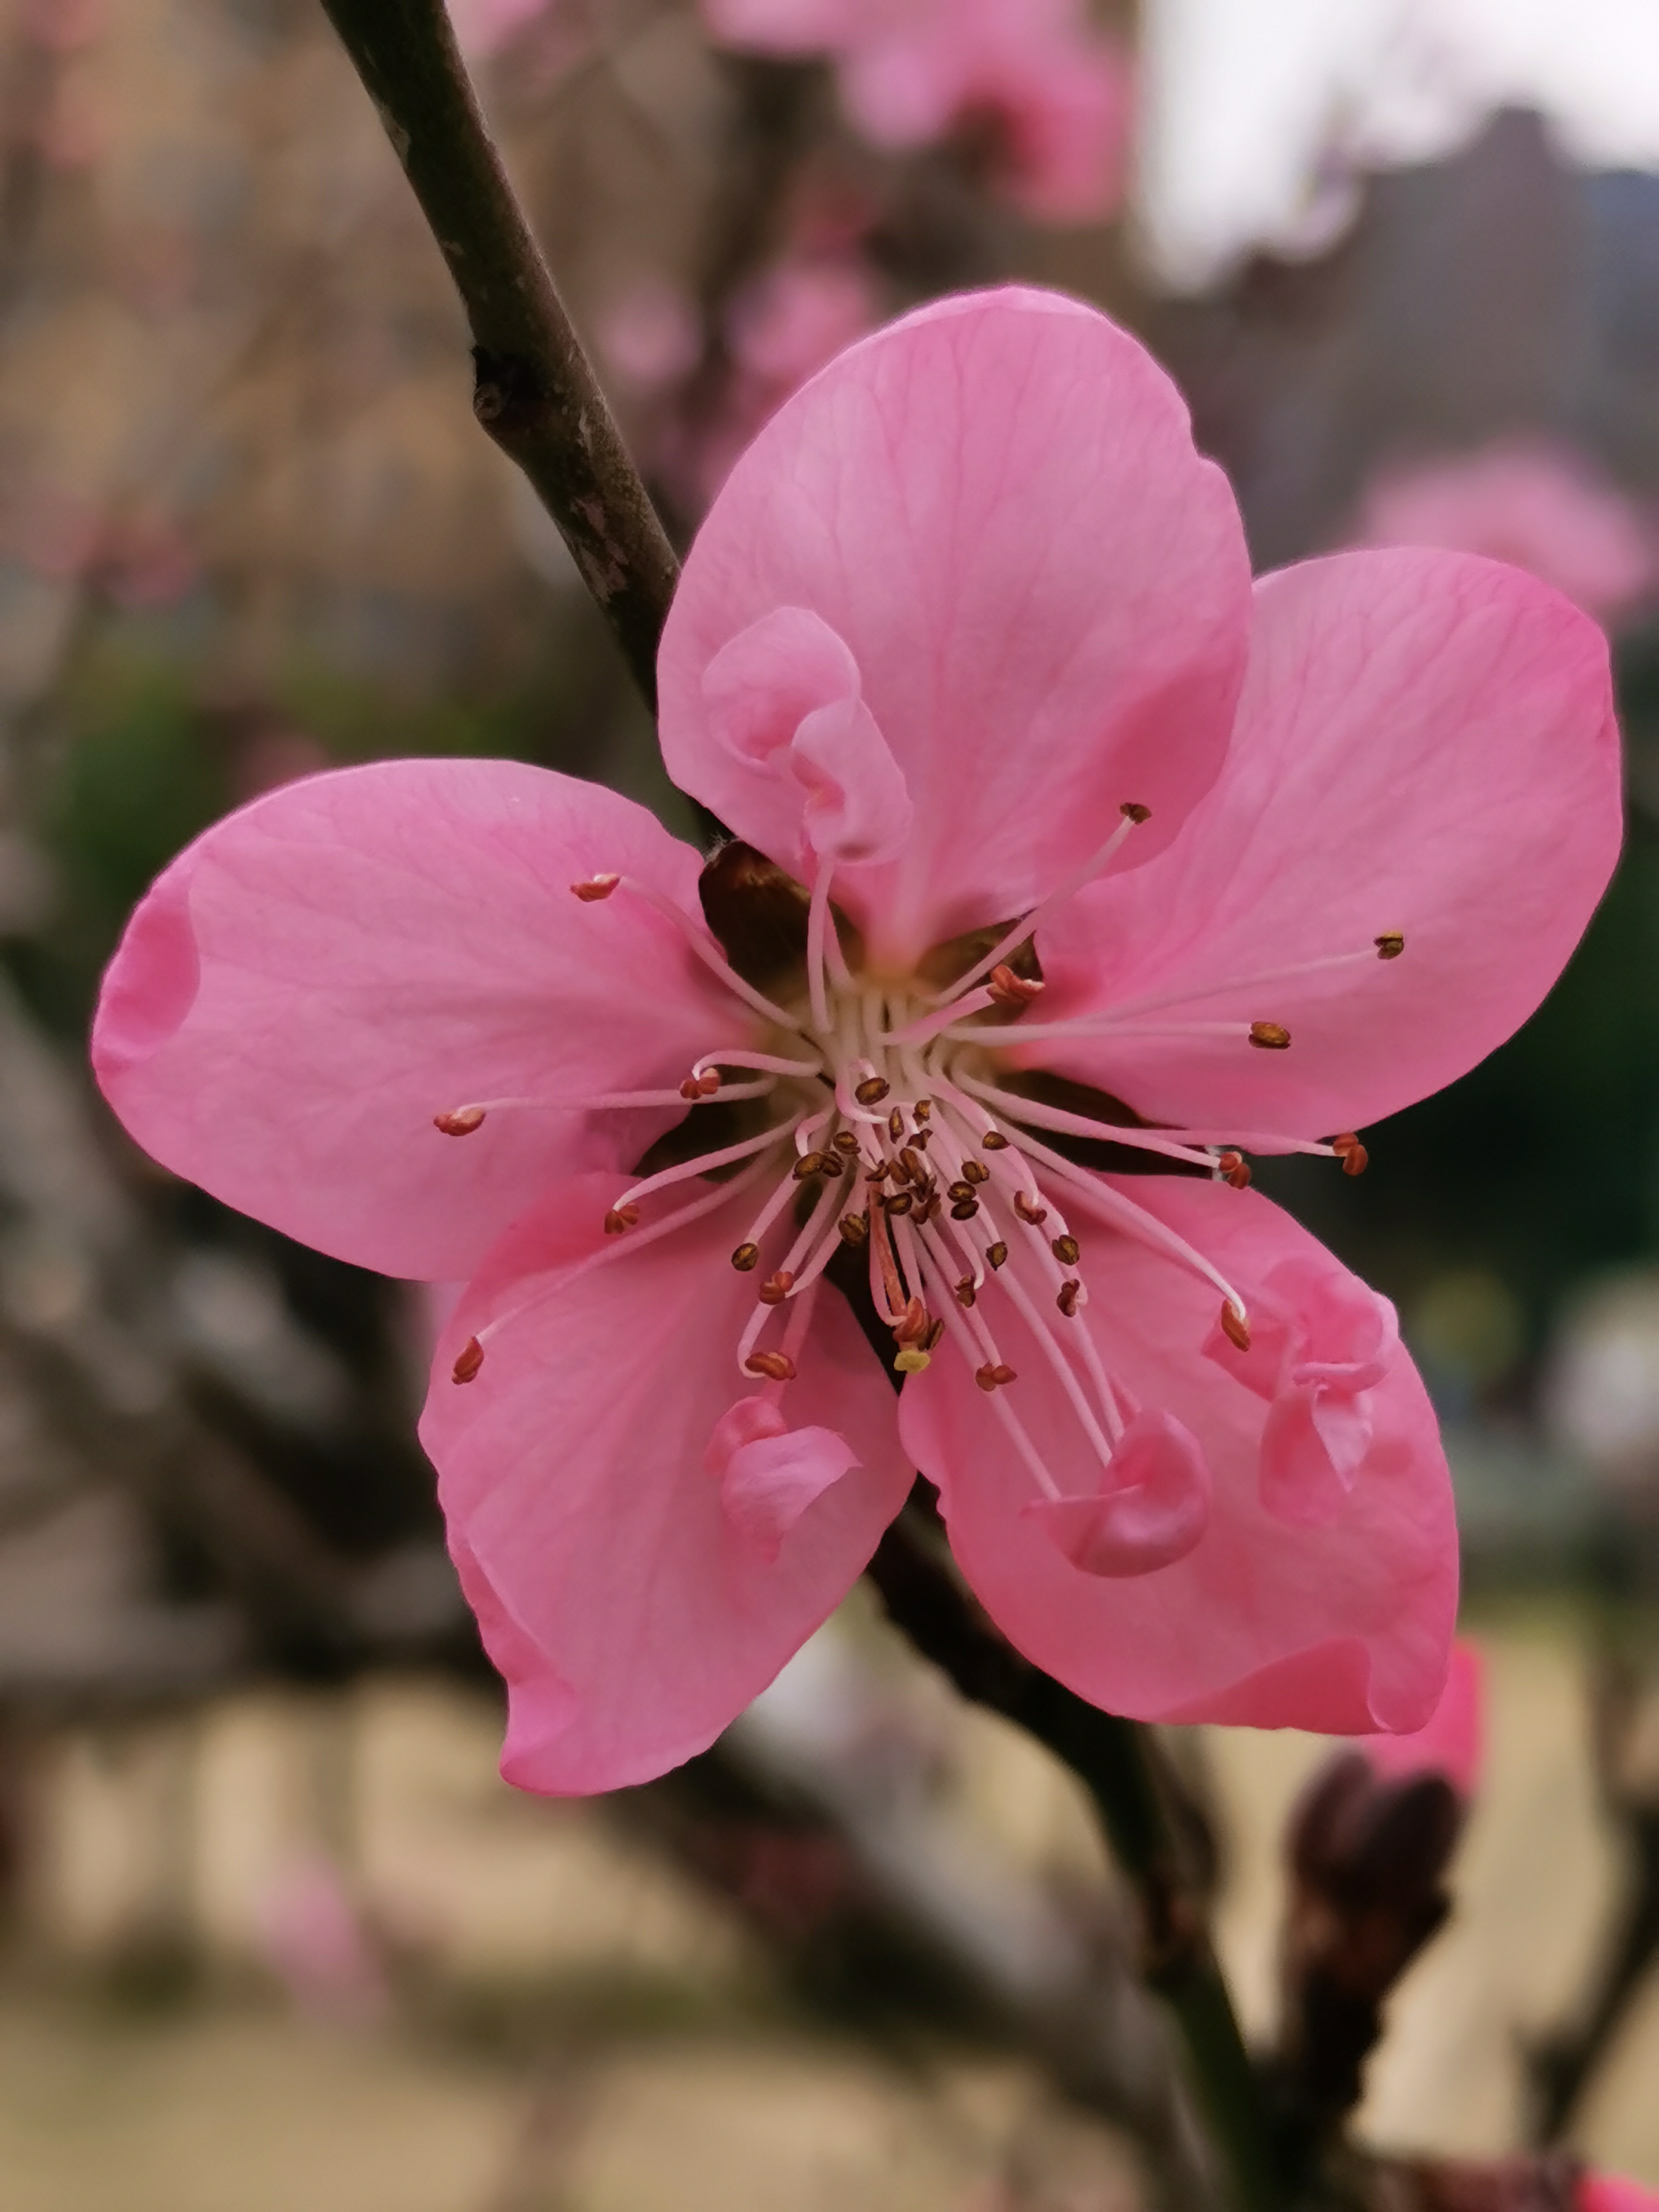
(995,506)
(634,1602)
(1426,744)
(1344,1627)
(318,975)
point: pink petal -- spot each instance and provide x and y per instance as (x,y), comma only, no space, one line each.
(1453,1743)
(1614,2192)
(635,1601)
(995,506)
(1426,744)
(1343,1627)
(320,973)
(1157,1512)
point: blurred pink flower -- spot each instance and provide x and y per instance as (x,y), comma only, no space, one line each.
(1537,505)
(1453,1743)
(1614,2192)
(482,28)
(968,655)
(313,1940)
(648,334)
(1053,92)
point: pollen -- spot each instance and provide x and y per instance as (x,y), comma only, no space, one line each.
(912,1360)
(1270,1036)
(461,1123)
(595,888)
(809,1164)
(994,1378)
(992,1141)
(1028,1210)
(966,1292)
(996,1253)
(1232,1167)
(619,1218)
(469,1361)
(976,1171)
(1390,945)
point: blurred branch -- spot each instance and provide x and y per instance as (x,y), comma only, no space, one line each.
(1137,1800)
(535,393)
(1561,2066)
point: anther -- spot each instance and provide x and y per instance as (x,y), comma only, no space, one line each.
(928,1208)
(898,1201)
(992,1141)
(895,1124)
(934,1337)
(619,1218)
(1028,1210)
(921,1138)
(976,1171)
(1066,1299)
(776,1366)
(700,1086)
(1232,1168)
(1269,1036)
(1352,1154)
(922,1110)
(996,1377)
(845,1141)
(965,1208)
(854,1229)
(1390,945)
(1006,989)
(914,1324)
(809,1164)
(744,1257)
(777,1288)
(1066,1250)
(871,1090)
(461,1123)
(910,1160)
(831,1164)
(880,1172)
(996,1253)
(962,1192)
(1132,813)
(470,1361)
(966,1292)
(912,1360)
(1234,1326)
(596,887)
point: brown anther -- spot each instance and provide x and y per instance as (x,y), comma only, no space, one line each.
(809,1164)
(922,1110)
(691,1089)
(1352,1154)
(966,1292)
(992,1141)
(1066,1250)
(975,1170)
(921,1138)
(709,1082)
(1028,1210)
(461,1123)
(744,1257)
(854,1229)
(910,1158)
(1234,1327)
(1007,990)
(619,1218)
(996,1253)
(871,1090)
(470,1360)
(1390,945)
(1066,1297)
(1005,1375)
(895,1124)
(959,1191)
(964,1209)
(880,1172)
(595,888)
(1269,1036)
(777,1288)
(776,1366)
(1132,811)
(845,1141)
(831,1165)
(928,1209)
(898,1201)
(986,1378)
(934,1337)
(899,1172)
(1232,1168)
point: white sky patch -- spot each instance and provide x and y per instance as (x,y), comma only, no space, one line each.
(1257,112)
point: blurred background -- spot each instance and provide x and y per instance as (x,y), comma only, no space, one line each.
(272,1932)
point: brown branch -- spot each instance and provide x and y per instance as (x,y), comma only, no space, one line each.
(535,392)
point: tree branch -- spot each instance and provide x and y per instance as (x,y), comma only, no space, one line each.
(535,392)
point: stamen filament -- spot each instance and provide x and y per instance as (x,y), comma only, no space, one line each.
(1070,885)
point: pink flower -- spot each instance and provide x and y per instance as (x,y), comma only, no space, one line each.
(483,26)
(966,652)
(1453,1741)
(1614,2192)
(1537,505)
(1053,92)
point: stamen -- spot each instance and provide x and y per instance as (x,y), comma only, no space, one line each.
(765,1063)
(1007,990)
(705,949)
(775,1289)
(854,1229)
(1234,1325)
(967,1291)
(470,1360)
(1270,1036)
(1352,1154)
(1066,1250)
(697,1087)
(1066,1297)
(994,1378)
(703,1162)
(996,1254)
(460,1123)
(595,888)
(620,1219)
(1232,1168)
(871,1090)
(776,1366)
(1133,815)
(1028,1210)
(1390,945)
(745,1258)
(991,1140)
